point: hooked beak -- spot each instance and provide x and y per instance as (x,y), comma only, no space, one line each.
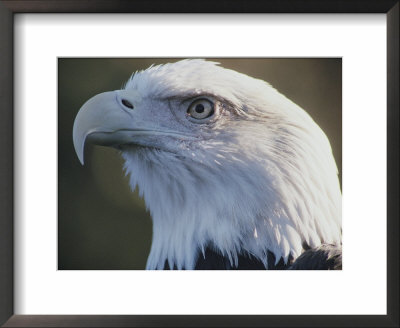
(106,120)
(103,121)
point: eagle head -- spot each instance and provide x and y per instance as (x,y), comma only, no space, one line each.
(223,161)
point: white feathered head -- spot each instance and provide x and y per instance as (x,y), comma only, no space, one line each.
(222,160)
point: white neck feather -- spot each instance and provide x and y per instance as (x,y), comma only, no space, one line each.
(239,202)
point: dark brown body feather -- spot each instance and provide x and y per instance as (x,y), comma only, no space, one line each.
(325,257)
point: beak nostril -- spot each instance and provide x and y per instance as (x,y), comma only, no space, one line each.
(127,103)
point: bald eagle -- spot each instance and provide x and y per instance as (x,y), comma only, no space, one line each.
(234,174)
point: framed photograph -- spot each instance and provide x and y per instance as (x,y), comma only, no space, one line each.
(184,121)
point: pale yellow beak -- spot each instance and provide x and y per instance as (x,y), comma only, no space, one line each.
(103,120)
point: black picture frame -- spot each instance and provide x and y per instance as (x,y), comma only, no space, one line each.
(10,7)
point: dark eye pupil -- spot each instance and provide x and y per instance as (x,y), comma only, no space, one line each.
(199,108)
(127,103)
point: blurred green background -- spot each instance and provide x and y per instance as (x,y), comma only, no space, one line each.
(102,225)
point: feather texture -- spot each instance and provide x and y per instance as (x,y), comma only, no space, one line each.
(260,178)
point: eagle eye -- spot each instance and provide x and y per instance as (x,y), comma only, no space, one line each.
(201,109)
(127,103)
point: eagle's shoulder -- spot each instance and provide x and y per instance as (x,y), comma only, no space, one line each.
(324,257)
